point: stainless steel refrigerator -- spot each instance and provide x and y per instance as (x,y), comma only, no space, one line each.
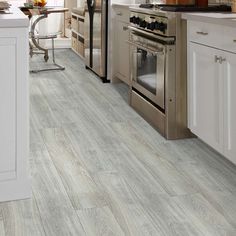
(96,14)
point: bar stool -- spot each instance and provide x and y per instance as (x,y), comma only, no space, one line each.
(35,47)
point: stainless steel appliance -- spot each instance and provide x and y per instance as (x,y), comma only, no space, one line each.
(96,13)
(158,70)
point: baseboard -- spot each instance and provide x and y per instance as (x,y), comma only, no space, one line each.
(14,190)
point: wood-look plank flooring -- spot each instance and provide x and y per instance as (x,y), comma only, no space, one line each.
(98,169)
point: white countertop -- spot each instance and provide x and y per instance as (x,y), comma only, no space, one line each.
(14,20)
(228,19)
(124,5)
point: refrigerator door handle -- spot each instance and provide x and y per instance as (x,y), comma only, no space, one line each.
(92,3)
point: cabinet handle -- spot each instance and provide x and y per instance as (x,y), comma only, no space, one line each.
(234,40)
(202,33)
(217,59)
(125,28)
(119,14)
(222,60)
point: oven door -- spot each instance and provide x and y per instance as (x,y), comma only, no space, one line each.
(148,72)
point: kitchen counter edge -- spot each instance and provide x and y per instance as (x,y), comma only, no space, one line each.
(226,19)
(16,19)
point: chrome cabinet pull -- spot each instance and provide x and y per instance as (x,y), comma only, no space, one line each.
(217,58)
(125,28)
(222,60)
(119,14)
(202,33)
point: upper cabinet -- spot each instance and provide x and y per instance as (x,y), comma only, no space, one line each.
(211,85)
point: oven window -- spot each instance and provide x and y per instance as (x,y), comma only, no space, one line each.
(147,70)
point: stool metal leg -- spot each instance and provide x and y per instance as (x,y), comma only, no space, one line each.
(57,66)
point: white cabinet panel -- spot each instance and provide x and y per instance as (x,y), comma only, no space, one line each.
(120,47)
(205,88)
(14,103)
(205,33)
(212,85)
(230,106)
(122,54)
(7,105)
(229,39)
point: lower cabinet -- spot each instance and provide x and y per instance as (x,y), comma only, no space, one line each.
(211,97)
(14,118)
(229,106)
(120,47)
(7,108)
(122,52)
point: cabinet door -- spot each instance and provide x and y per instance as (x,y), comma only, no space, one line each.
(205,95)
(229,106)
(122,50)
(7,107)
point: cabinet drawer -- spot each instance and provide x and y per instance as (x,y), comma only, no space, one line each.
(205,33)
(74,41)
(229,39)
(81,26)
(74,23)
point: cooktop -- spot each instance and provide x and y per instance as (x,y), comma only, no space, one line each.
(187,8)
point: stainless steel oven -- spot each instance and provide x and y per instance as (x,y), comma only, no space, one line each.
(158,70)
(148,65)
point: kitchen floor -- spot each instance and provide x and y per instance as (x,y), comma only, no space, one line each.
(99,169)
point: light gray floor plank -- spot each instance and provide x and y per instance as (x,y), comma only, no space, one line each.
(204,216)
(99,222)
(98,168)
(224,202)
(2,230)
(21,218)
(57,213)
(80,187)
(163,171)
(130,215)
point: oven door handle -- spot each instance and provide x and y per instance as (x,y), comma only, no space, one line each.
(155,52)
(169,40)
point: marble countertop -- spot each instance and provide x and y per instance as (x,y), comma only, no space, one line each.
(227,19)
(15,19)
(124,5)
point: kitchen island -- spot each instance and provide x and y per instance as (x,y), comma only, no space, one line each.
(211,79)
(14,106)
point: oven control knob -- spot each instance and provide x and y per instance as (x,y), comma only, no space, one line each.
(152,26)
(132,19)
(143,24)
(137,20)
(157,25)
(162,27)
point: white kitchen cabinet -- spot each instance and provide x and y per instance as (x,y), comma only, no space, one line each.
(205,92)
(14,115)
(211,87)
(7,107)
(122,51)
(229,105)
(120,47)
(77,35)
